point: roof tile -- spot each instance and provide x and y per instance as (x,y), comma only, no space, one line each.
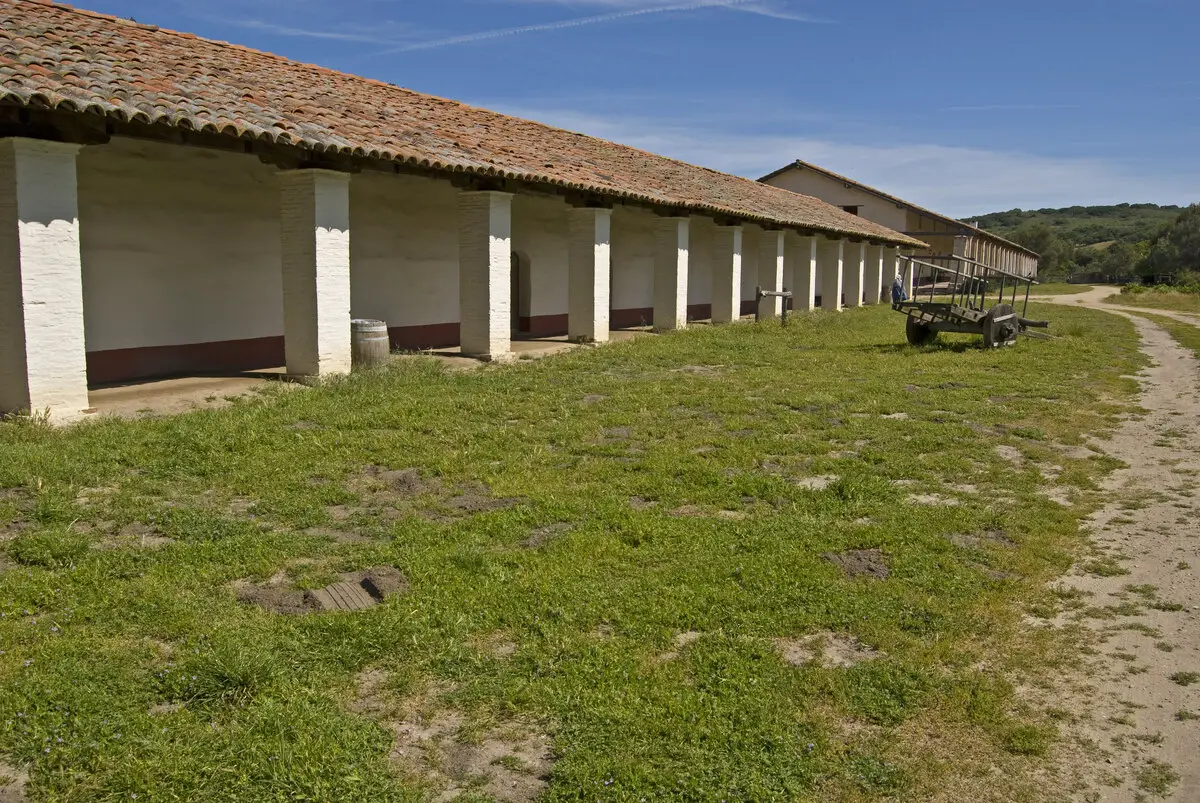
(58,57)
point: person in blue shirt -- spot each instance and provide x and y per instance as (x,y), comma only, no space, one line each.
(898,292)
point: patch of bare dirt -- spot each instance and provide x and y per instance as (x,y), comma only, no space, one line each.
(353,591)
(681,641)
(932,500)
(817,483)
(593,399)
(439,748)
(497,645)
(870,563)
(981,539)
(393,493)
(830,650)
(641,503)
(12,783)
(1130,718)
(137,535)
(544,535)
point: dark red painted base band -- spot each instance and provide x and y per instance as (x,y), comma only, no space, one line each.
(625,318)
(544,325)
(429,336)
(123,365)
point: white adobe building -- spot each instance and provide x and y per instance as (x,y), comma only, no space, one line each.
(946,236)
(171,205)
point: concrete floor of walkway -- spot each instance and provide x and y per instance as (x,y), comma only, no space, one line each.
(176,395)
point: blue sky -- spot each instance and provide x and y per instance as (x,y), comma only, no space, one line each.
(966,106)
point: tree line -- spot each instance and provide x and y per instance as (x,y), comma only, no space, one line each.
(1126,240)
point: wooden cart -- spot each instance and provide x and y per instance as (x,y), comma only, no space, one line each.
(965,296)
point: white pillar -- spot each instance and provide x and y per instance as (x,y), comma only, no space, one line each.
(873,278)
(315,250)
(727,274)
(589,265)
(484,274)
(43,360)
(770,272)
(854,258)
(800,258)
(829,263)
(671,273)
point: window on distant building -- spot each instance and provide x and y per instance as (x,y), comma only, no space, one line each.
(851,209)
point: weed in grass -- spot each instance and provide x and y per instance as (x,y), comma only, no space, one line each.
(56,548)
(1185,678)
(1156,777)
(1165,646)
(1169,607)
(1029,740)
(1183,715)
(1105,567)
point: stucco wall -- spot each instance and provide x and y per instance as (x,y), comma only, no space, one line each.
(871,206)
(179,245)
(632,260)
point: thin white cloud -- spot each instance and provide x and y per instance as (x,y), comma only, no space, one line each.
(631,12)
(955,180)
(286,30)
(1013,107)
(775,9)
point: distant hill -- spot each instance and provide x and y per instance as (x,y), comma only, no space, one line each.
(1088,225)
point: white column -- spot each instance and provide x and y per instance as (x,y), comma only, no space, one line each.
(770,272)
(43,360)
(829,263)
(484,274)
(854,258)
(727,274)
(910,277)
(800,259)
(671,273)
(315,250)
(589,264)
(873,278)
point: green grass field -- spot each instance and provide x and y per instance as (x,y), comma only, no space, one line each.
(629,554)
(1175,302)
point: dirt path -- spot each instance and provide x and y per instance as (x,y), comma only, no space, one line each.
(1134,739)
(1094,299)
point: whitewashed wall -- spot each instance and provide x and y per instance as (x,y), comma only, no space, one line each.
(179,245)
(403,249)
(832,191)
(632,258)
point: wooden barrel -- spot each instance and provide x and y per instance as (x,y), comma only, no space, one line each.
(369,345)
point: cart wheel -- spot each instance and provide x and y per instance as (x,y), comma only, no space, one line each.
(919,334)
(1000,327)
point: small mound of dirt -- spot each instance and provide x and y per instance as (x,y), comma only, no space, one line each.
(641,503)
(355,591)
(474,498)
(544,535)
(932,500)
(275,596)
(497,645)
(861,563)
(830,650)
(136,535)
(392,484)
(817,483)
(593,398)
(1010,453)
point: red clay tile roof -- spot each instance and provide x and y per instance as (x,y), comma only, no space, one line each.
(57,57)
(800,164)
